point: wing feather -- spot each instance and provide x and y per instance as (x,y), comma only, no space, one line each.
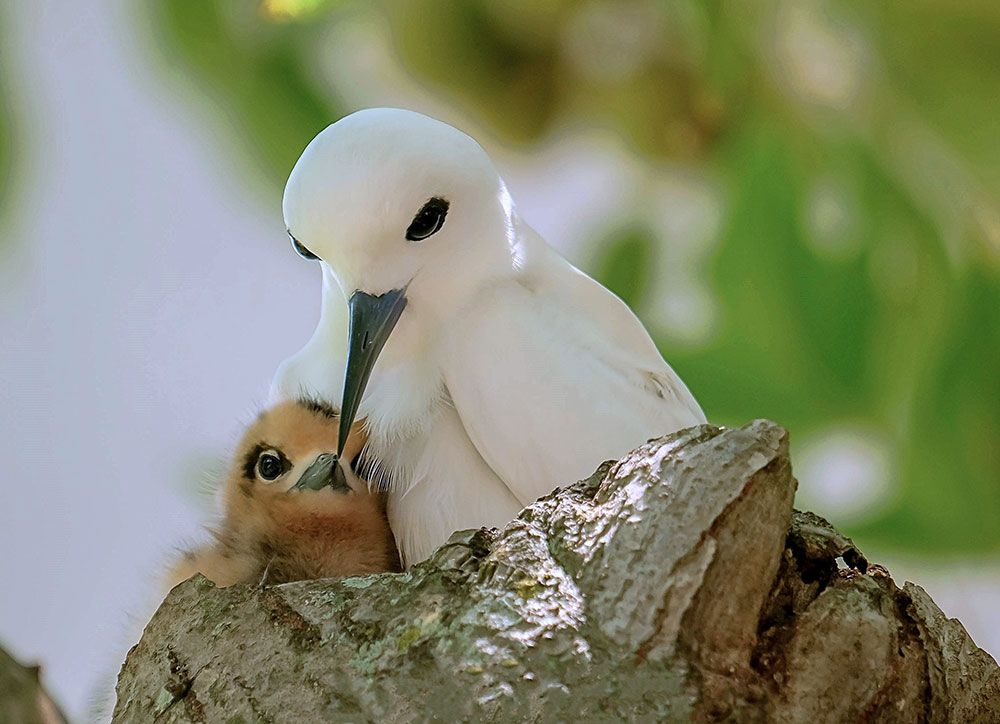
(556,375)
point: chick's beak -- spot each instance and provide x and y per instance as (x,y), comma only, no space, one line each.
(372,320)
(324,471)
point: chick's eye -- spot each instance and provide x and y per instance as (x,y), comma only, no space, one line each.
(300,249)
(428,220)
(270,466)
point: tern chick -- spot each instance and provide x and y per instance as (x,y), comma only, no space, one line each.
(291,510)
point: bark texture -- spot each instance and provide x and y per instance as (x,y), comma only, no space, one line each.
(675,584)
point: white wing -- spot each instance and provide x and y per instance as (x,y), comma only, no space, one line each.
(554,374)
(318,368)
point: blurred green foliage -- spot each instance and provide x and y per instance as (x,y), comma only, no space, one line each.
(255,75)
(894,325)
(7,128)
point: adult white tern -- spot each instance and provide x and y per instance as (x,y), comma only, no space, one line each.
(488,369)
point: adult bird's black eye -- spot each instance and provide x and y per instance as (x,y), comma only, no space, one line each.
(270,466)
(300,249)
(428,220)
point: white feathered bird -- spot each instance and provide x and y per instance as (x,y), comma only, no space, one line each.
(505,371)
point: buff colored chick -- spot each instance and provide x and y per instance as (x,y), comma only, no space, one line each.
(291,510)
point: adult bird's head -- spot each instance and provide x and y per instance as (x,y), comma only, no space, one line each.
(413,221)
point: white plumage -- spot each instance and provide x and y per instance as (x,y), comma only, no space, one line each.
(509,371)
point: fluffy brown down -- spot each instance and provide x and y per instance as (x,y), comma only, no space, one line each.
(292,534)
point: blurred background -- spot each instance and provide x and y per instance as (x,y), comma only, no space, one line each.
(800,198)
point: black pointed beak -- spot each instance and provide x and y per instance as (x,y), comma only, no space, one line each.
(372,320)
(324,471)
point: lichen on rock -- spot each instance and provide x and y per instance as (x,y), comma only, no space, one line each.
(676,583)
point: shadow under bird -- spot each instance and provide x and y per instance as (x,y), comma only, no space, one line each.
(488,370)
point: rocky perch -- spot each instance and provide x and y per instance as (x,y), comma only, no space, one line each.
(676,584)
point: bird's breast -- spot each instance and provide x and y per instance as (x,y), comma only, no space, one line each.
(401,401)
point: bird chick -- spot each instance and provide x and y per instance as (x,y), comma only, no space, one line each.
(291,510)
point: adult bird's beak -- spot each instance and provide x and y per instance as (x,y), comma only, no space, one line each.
(325,470)
(372,320)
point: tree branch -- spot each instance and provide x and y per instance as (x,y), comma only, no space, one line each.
(675,583)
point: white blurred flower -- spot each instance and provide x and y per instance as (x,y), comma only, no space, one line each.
(846,472)
(684,208)
(832,220)
(817,59)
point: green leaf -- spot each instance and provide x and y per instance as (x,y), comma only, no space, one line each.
(624,264)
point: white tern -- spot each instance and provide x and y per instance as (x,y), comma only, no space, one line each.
(487,368)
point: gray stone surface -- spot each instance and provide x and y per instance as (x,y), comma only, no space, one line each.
(674,584)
